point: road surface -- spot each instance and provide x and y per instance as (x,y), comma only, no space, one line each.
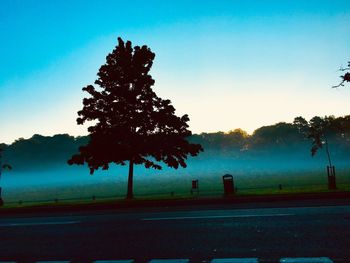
(197,233)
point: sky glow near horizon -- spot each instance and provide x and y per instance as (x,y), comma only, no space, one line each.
(227,64)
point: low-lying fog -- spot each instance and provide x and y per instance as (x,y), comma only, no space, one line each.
(64,181)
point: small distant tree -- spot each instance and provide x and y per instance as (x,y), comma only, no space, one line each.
(237,138)
(3,167)
(279,137)
(131,123)
(318,130)
(345,77)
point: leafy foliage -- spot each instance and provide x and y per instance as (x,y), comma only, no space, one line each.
(131,121)
(281,139)
(3,167)
(41,152)
(321,131)
(279,136)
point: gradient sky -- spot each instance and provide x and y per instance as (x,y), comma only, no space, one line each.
(228,64)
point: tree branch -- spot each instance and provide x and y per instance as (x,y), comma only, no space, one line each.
(341,84)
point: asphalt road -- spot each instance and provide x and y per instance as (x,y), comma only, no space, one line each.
(268,232)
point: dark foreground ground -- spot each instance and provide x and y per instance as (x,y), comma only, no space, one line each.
(244,201)
(317,226)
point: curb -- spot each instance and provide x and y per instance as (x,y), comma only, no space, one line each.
(132,204)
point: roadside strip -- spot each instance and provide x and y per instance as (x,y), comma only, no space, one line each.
(39,223)
(213,217)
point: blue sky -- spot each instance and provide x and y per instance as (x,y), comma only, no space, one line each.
(228,64)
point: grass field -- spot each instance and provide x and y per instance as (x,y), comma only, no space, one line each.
(73,184)
(170,186)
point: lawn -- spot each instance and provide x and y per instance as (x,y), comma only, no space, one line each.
(174,187)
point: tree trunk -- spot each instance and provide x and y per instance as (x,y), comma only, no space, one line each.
(327,151)
(130,194)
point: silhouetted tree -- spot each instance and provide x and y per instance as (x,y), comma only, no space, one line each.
(341,133)
(5,165)
(343,125)
(42,152)
(345,77)
(280,136)
(318,130)
(2,166)
(131,122)
(237,138)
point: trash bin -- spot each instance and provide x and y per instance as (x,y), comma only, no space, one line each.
(228,185)
(194,187)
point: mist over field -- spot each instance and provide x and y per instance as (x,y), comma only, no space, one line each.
(59,180)
(40,171)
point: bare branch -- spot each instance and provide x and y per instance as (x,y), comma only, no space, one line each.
(341,84)
(344,69)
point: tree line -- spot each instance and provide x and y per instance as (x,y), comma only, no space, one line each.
(297,138)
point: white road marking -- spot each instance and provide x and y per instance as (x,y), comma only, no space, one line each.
(169,261)
(213,217)
(306,260)
(235,260)
(39,223)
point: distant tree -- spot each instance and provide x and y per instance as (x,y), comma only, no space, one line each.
(302,125)
(2,167)
(345,77)
(42,152)
(131,123)
(319,130)
(5,165)
(214,140)
(343,125)
(237,138)
(341,133)
(280,136)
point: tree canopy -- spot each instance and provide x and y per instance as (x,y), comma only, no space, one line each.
(2,167)
(320,130)
(282,140)
(131,123)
